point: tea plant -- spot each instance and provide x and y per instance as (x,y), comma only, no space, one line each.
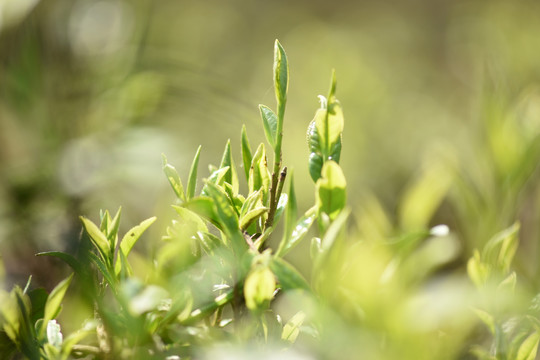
(216,286)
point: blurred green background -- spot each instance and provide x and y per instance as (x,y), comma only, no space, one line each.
(439,93)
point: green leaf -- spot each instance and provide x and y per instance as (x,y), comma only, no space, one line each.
(282,204)
(331,195)
(529,347)
(487,319)
(291,330)
(297,233)
(500,250)
(174,179)
(259,176)
(189,216)
(130,238)
(329,239)
(192,180)
(98,238)
(103,270)
(281,73)
(478,271)
(270,120)
(291,211)
(53,304)
(251,216)
(67,258)
(253,201)
(217,177)
(114,225)
(227,218)
(288,277)
(324,133)
(246,152)
(227,161)
(203,206)
(208,241)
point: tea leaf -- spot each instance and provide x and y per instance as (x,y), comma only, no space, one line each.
(270,120)
(281,73)
(529,347)
(131,237)
(98,238)
(288,277)
(129,240)
(251,216)
(246,152)
(203,206)
(291,330)
(54,301)
(67,258)
(259,176)
(331,186)
(299,231)
(291,210)
(192,180)
(174,179)
(227,161)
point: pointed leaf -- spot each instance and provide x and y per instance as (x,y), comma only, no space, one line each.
(217,177)
(192,180)
(189,216)
(291,330)
(529,347)
(131,237)
(288,277)
(331,195)
(227,161)
(299,231)
(251,216)
(246,152)
(174,179)
(102,269)
(291,211)
(281,73)
(97,237)
(129,240)
(204,206)
(227,218)
(54,301)
(282,204)
(67,258)
(270,120)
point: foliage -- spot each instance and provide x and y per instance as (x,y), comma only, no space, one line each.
(220,280)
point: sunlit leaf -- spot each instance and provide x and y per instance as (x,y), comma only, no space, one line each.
(281,73)
(192,180)
(251,216)
(298,232)
(288,277)
(529,347)
(98,238)
(54,301)
(246,153)
(227,161)
(174,179)
(270,120)
(291,330)
(331,196)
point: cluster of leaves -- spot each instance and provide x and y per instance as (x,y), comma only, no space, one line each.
(216,278)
